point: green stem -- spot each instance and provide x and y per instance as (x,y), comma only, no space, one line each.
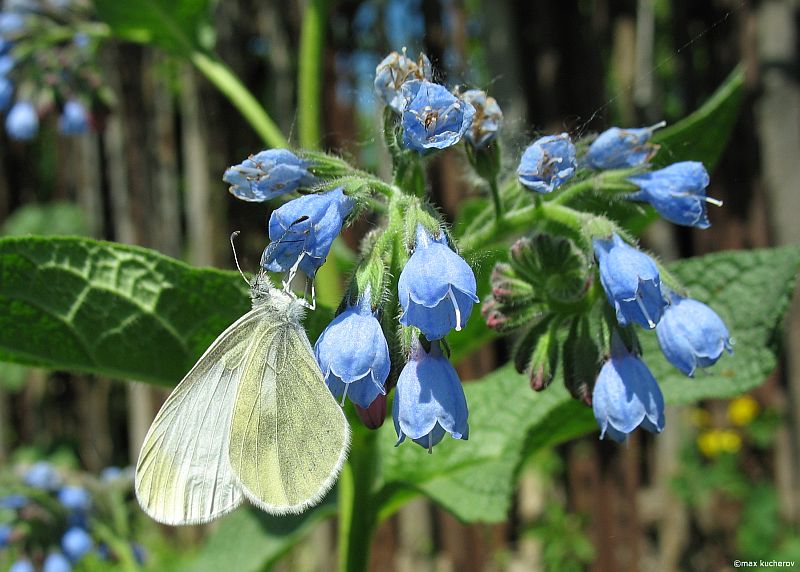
(230,86)
(309,85)
(498,203)
(357,509)
(520,220)
(610,181)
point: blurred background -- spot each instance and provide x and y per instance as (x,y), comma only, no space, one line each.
(722,482)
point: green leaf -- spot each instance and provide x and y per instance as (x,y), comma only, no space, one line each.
(47,219)
(173,25)
(116,310)
(703,135)
(475,479)
(751,291)
(250,540)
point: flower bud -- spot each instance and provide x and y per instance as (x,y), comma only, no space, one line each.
(373,416)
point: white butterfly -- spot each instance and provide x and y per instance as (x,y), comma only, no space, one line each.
(252,419)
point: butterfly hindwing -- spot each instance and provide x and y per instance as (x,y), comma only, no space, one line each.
(289,437)
(183,475)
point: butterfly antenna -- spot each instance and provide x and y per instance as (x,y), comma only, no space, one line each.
(234,234)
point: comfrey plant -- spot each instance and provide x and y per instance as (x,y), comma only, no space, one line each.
(411,288)
(55,521)
(47,67)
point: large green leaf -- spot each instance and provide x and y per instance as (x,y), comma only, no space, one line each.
(250,540)
(751,290)
(173,25)
(121,311)
(475,479)
(703,135)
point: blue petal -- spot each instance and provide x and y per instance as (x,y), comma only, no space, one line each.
(626,395)
(429,392)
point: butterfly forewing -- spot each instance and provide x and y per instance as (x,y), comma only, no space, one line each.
(289,437)
(183,475)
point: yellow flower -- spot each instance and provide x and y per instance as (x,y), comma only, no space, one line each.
(742,410)
(715,441)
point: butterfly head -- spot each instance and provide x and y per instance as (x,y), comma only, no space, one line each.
(262,292)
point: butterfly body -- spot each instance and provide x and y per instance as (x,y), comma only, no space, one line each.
(252,419)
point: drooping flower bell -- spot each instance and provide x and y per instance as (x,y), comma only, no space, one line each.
(547,163)
(617,148)
(42,475)
(76,543)
(74,498)
(56,562)
(631,281)
(487,121)
(268,174)
(692,335)
(22,121)
(74,119)
(302,231)
(433,118)
(677,192)
(353,354)
(437,287)
(429,400)
(394,71)
(626,396)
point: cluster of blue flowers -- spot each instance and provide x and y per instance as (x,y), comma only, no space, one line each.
(22,119)
(433,290)
(625,394)
(677,192)
(43,491)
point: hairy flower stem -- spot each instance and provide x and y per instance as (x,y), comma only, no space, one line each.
(498,203)
(357,507)
(611,182)
(520,220)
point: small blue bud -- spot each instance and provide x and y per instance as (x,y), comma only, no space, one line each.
(74,119)
(110,474)
(677,192)
(56,562)
(139,553)
(487,121)
(353,355)
(11,22)
(80,40)
(6,93)
(393,72)
(429,400)
(76,543)
(617,148)
(22,122)
(433,118)
(302,231)
(437,287)
(626,396)
(42,475)
(75,498)
(13,502)
(22,565)
(267,175)
(547,163)
(5,535)
(692,335)
(631,281)
(7,63)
